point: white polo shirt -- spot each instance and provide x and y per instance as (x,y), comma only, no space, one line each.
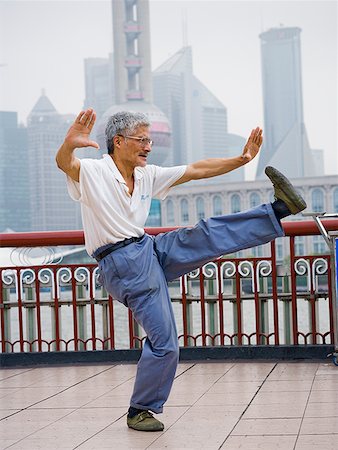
(109,213)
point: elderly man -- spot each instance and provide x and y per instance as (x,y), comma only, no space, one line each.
(115,194)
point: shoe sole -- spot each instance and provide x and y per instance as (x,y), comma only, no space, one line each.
(147,430)
(290,196)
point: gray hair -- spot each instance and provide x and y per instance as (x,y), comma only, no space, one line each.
(123,123)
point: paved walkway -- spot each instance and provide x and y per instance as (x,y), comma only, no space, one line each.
(213,405)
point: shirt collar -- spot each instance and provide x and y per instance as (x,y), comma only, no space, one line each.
(138,171)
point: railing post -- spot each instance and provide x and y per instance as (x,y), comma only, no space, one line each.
(81,317)
(187,317)
(190,322)
(137,334)
(264,310)
(287,312)
(190,317)
(317,313)
(7,317)
(105,320)
(264,307)
(56,322)
(237,292)
(235,321)
(30,318)
(293,279)
(212,311)
(313,316)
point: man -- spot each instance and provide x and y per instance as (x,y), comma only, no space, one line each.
(115,194)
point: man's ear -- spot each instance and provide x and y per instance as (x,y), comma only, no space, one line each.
(117,140)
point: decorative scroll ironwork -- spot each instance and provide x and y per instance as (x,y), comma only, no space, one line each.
(228,271)
(35,256)
(319,267)
(27,277)
(311,270)
(10,277)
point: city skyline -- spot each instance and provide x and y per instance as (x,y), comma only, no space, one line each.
(236,82)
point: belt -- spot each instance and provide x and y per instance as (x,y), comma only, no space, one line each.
(116,246)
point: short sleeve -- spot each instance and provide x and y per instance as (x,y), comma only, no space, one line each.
(164,178)
(83,190)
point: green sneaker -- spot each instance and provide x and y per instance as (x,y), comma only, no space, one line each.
(285,191)
(144,421)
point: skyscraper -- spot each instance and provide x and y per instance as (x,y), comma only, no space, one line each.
(51,206)
(14,174)
(286,144)
(99,84)
(131,29)
(133,82)
(198,118)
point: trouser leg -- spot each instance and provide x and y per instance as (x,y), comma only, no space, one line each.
(183,250)
(158,362)
(134,276)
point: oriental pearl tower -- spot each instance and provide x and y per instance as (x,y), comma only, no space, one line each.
(133,78)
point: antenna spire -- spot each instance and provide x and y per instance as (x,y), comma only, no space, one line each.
(184,28)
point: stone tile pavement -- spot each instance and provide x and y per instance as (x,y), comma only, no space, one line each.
(213,405)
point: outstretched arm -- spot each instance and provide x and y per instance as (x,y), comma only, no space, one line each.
(213,167)
(77,136)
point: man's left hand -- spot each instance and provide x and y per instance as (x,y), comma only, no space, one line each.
(253,145)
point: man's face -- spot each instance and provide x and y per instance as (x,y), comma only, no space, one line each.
(134,150)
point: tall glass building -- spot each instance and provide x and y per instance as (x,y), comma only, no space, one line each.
(51,207)
(199,119)
(286,144)
(14,174)
(99,84)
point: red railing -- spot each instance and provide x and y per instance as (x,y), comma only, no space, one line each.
(76,237)
(230,301)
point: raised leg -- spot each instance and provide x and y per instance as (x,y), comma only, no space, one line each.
(183,250)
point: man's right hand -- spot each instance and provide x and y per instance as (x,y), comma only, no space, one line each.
(78,135)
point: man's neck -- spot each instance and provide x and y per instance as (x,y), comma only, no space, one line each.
(126,171)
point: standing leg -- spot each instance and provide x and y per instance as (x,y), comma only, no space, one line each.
(157,365)
(183,250)
(134,276)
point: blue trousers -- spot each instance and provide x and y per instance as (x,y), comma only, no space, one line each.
(137,276)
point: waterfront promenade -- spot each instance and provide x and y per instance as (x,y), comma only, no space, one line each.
(213,405)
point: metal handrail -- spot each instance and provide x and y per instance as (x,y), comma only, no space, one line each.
(76,237)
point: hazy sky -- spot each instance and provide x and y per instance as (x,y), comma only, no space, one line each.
(43,45)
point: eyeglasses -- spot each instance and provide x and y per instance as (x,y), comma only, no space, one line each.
(143,141)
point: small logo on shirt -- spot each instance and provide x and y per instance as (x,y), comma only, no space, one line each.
(144,197)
